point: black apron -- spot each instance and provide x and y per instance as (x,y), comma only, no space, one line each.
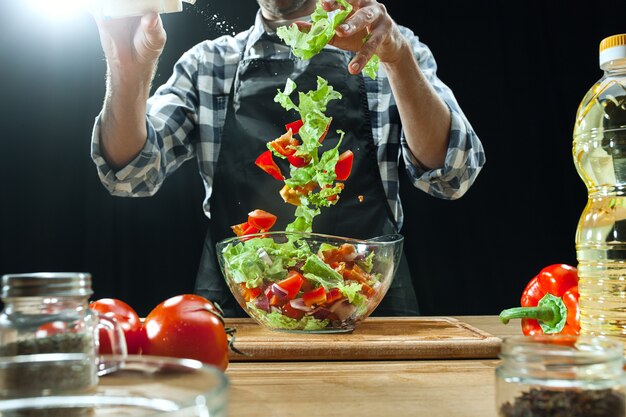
(239,186)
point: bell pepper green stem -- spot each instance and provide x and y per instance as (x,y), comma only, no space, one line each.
(550,312)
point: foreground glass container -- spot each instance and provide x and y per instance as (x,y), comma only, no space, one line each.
(309,282)
(560,375)
(140,386)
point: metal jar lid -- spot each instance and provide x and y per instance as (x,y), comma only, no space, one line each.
(38,284)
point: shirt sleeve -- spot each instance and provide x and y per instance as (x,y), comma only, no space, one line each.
(465,156)
(171,117)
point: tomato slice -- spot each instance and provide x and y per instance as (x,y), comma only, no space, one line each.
(266,162)
(289,311)
(294,126)
(344,165)
(261,219)
(298,161)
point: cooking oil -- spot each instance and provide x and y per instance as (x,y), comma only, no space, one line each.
(599,152)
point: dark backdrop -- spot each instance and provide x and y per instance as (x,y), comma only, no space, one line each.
(518,72)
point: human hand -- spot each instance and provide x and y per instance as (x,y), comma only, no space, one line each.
(132,41)
(369,30)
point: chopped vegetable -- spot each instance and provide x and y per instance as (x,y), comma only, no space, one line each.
(267,164)
(261,219)
(344,165)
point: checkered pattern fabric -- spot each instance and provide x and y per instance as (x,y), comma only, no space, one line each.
(195,99)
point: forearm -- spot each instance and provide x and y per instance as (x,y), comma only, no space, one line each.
(123,122)
(425,117)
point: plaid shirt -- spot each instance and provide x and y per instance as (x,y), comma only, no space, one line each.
(196,95)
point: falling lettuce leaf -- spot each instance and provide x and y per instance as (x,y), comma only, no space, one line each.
(305,45)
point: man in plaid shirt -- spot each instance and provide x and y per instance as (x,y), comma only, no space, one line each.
(218,108)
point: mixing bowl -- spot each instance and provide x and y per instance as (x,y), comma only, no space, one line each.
(309,282)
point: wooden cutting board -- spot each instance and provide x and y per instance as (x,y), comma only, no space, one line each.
(377,338)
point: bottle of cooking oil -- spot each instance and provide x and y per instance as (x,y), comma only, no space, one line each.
(599,151)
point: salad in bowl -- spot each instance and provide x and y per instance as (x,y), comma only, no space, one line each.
(309,282)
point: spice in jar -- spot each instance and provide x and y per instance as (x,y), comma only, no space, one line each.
(560,376)
(558,403)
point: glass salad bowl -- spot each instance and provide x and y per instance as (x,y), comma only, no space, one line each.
(309,282)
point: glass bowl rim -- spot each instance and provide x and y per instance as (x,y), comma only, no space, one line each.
(386,239)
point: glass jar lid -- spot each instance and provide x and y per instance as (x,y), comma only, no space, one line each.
(37,284)
(563,359)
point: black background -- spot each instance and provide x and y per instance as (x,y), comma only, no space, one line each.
(518,72)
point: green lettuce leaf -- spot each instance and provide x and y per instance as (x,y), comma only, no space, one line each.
(305,45)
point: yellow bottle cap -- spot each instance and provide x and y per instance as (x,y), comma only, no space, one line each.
(613,47)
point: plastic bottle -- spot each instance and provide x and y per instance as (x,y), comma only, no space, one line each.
(599,151)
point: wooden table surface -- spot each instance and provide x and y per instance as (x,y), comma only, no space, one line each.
(369,388)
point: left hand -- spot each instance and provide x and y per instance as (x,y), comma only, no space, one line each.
(367,31)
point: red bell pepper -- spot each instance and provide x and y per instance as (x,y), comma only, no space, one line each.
(549,303)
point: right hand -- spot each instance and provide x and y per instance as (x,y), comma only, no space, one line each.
(132,41)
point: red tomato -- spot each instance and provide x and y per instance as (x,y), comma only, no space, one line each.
(187,326)
(265,161)
(344,165)
(128,319)
(261,219)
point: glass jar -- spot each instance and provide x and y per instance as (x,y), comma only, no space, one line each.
(49,335)
(560,375)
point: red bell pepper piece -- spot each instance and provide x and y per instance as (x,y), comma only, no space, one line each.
(549,303)
(333,295)
(316,296)
(249,294)
(266,162)
(292,283)
(244,229)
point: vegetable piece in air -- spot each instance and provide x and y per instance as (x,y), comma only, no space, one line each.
(549,303)
(267,164)
(261,219)
(344,165)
